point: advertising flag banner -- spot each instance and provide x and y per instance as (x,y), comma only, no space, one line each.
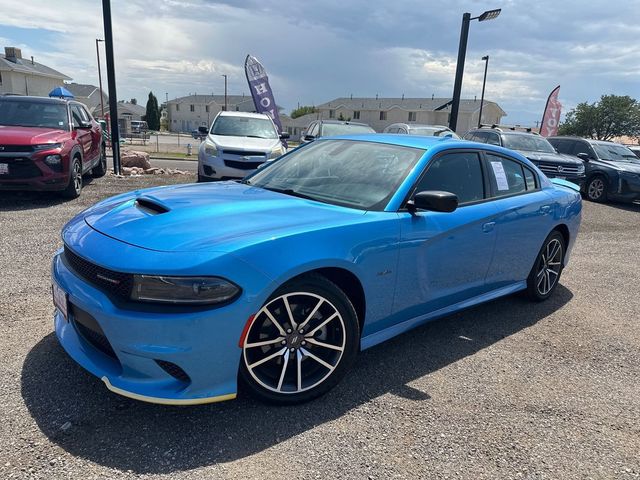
(551,115)
(261,90)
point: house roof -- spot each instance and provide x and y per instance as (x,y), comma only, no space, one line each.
(219,99)
(23,65)
(387,103)
(81,90)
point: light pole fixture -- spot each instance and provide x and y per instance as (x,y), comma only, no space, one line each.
(225,93)
(100,76)
(111,82)
(462,51)
(484,82)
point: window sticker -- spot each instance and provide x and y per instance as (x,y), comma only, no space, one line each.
(501,176)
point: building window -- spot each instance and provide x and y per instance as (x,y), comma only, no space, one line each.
(332,114)
(177,107)
(412,116)
(192,108)
(237,108)
(356,114)
(383,115)
(206,108)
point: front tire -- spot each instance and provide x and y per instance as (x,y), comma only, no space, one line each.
(74,187)
(547,269)
(300,343)
(596,189)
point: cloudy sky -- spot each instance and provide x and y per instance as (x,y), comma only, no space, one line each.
(317,51)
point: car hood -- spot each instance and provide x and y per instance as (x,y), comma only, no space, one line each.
(210,217)
(551,157)
(244,143)
(10,135)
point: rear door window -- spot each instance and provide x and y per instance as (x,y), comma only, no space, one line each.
(508,176)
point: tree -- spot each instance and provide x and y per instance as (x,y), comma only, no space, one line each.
(152,116)
(133,101)
(612,116)
(300,111)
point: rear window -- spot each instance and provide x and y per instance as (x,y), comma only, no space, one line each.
(331,129)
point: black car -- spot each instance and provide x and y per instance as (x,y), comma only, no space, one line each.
(328,128)
(535,148)
(613,171)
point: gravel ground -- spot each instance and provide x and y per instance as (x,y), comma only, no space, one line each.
(509,389)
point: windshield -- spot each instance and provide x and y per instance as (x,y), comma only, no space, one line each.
(331,129)
(615,153)
(244,127)
(528,143)
(349,173)
(33,114)
(432,132)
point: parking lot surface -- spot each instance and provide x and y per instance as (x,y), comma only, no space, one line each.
(510,389)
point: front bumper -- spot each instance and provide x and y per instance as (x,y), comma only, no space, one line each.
(31,173)
(220,167)
(141,338)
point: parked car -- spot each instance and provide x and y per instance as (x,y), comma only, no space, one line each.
(535,148)
(329,128)
(48,144)
(237,144)
(200,134)
(139,126)
(417,129)
(279,280)
(613,171)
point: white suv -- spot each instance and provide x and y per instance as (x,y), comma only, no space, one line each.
(237,144)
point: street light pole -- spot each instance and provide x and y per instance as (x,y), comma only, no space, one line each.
(225,93)
(484,82)
(100,76)
(462,51)
(111,81)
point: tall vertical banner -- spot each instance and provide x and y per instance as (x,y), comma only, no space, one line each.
(551,115)
(261,90)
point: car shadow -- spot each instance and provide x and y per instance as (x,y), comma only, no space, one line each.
(75,411)
(17,200)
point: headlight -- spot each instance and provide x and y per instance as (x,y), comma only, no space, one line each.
(275,153)
(183,290)
(210,149)
(47,146)
(580,169)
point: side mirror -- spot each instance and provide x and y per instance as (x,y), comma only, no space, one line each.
(203,130)
(284,136)
(83,126)
(433,200)
(309,138)
(584,156)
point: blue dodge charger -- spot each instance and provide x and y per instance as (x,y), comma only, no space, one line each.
(177,294)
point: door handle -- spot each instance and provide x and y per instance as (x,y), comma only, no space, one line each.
(488,227)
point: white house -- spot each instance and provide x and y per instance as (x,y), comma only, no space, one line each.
(185,114)
(27,77)
(382,112)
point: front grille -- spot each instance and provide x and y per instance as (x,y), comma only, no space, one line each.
(560,169)
(243,153)
(115,283)
(174,370)
(242,165)
(20,168)
(16,148)
(88,327)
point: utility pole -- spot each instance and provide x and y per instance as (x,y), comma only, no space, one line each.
(100,76)
(111,81)
(226,107)
(484,82)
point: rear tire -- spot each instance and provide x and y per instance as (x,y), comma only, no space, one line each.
(301,342)
(74,187)
(547,269)
(101,168)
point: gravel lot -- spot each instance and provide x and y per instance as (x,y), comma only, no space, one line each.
(509,389)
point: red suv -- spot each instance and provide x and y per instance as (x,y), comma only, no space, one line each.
(48,144)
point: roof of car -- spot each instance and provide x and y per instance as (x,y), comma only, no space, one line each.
(343,122)
(588,140)
(243,114)
(32,99)
(418,125)
(413,141)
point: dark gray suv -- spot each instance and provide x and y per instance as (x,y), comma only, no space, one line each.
(535,148)
(613,171)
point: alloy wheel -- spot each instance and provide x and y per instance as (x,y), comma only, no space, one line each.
(77,177)
(596,189)
(294,343)
(550,266)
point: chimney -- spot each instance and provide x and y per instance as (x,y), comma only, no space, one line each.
(32,62)
(13,54)
(432,95)
(376,96)
(403,96)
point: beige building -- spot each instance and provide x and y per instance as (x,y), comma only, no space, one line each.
(382,112)
(20,76)
(186,114)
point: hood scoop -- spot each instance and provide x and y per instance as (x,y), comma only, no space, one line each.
(151,206)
